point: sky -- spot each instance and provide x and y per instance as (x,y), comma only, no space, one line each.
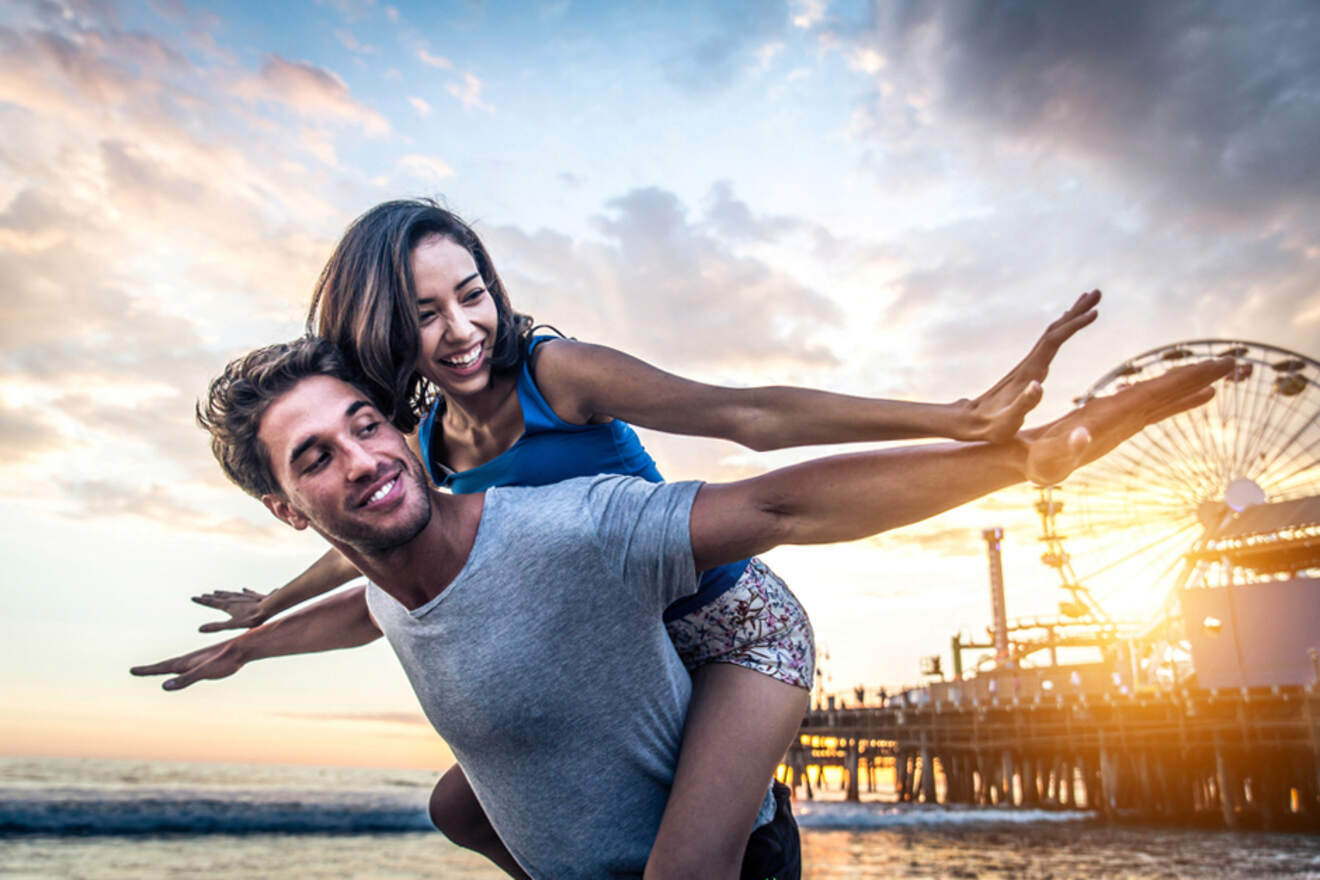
(889,199)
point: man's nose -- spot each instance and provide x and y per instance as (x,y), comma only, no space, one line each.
(359,462)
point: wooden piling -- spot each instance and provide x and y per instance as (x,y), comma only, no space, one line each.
(850,772)
(1226,784)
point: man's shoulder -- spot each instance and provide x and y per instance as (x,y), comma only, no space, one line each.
(553,505)
(574,488)
(564,492)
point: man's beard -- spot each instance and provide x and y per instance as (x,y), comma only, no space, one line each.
(376,541)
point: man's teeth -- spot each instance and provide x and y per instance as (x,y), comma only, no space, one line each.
(382,491)
(464,360)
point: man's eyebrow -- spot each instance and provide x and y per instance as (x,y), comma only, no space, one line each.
(464,283)
(301,448)
(311,441)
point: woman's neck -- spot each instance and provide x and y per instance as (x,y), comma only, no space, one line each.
(478,427)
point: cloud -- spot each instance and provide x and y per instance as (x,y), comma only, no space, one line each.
(150,232)
(866,60)
(1180,102)
(663,286)
(26,434)
(933,537)
(309,91)
(423,109)
(409,719)
(468,93)
(426,168)
(733,41)
(435,61)
(320,144)
(47,70)
(353,10)
(808,13)
(766,55)
(352,44)
(105,499)
(735,220)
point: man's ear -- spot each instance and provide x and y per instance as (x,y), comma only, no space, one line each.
(284,511)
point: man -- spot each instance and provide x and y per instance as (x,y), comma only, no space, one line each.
(529,619)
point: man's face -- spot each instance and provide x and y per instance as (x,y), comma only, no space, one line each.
(344,470)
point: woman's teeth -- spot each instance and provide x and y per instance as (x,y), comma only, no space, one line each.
(466,359)
(382,491)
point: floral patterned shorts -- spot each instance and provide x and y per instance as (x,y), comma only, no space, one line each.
(757,624)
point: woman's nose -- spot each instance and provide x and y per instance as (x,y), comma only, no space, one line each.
(457,326)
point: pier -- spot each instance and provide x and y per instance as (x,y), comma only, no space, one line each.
(1238,759)
(1205,711)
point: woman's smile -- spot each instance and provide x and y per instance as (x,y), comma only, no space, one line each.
(456,317)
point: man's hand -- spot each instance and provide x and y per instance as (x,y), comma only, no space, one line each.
(1102,423)
(997,415)
(341,620)
(213,661)
(245,609)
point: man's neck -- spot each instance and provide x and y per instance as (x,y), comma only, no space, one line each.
(416,572)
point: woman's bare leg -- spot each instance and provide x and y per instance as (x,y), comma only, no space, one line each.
(456,813)
(739,725)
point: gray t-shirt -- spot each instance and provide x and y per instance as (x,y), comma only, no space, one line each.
(547,669)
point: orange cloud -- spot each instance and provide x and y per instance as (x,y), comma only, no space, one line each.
(310,91)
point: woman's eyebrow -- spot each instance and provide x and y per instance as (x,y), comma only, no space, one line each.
(464,283)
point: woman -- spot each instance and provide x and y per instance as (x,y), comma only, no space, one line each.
(413,299)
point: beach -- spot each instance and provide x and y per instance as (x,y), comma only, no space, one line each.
(71,818)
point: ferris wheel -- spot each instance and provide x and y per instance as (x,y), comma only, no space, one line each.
(1131,517)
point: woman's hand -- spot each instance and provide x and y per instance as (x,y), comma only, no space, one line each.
(1102,423)
(245,609)
(997,415)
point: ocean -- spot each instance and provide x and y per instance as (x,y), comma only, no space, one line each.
(68,818)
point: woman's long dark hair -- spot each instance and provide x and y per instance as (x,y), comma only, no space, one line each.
(365,303)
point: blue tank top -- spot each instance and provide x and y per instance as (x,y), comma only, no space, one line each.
(551,449)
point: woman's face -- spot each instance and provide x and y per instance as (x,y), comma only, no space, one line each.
(456,316)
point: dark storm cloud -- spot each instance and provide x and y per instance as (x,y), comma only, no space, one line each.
(1217,104)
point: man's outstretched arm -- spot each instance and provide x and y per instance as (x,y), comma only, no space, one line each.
(846,497)
(341,621)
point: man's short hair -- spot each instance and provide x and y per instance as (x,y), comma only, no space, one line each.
(239,397)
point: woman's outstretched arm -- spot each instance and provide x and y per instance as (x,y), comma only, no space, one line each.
(249,608)
(585,383)
(847,497)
